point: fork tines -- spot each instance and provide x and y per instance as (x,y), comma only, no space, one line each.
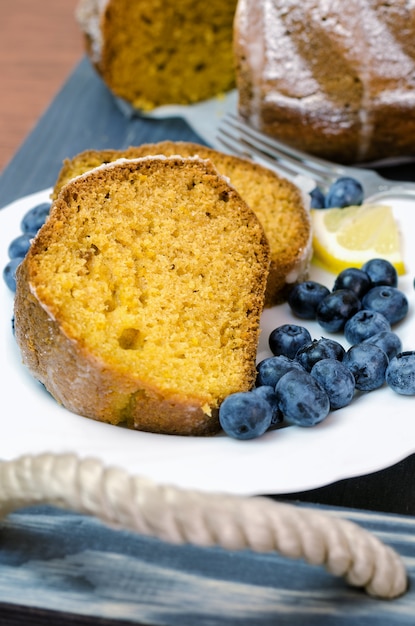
(305,170)
(244,140)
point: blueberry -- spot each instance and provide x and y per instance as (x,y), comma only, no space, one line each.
(355,279)
(400,373)
(388,341)
(389,301)
(345,191)
(270,370)
(337,381)
(317,350)
(35,218)
(364,324)
(245,415)
(336,308)
(304,298)
(301,399)
(367,362)
(288,339)
(268,393)
(316,198)
(381,272)
(9,273)
(20,246)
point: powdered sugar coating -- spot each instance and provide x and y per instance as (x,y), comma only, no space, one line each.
(89,14)
(282,41)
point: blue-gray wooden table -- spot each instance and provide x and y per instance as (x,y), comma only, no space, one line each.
(63,568)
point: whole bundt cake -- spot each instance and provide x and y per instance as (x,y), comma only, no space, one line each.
(332,78)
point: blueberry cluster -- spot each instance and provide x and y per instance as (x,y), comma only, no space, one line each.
(18,248)
(344,191)
(308,378)
(368,296)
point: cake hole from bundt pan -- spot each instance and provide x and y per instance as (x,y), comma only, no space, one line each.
(131,339)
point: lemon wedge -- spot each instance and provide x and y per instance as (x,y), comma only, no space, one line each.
(351,236)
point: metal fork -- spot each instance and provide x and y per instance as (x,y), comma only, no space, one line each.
(309,171)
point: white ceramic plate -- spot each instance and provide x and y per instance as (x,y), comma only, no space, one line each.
(375,431)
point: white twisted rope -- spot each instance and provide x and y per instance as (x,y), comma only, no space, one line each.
(203,519)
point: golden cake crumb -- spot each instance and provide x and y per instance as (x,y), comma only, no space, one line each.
(160,52)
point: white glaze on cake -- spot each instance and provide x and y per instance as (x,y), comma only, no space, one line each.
(281,75)
(89,14)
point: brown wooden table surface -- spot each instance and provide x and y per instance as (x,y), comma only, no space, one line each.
(40,43)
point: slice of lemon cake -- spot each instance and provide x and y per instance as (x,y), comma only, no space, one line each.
(140,298)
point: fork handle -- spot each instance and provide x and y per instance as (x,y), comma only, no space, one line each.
(393,190)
